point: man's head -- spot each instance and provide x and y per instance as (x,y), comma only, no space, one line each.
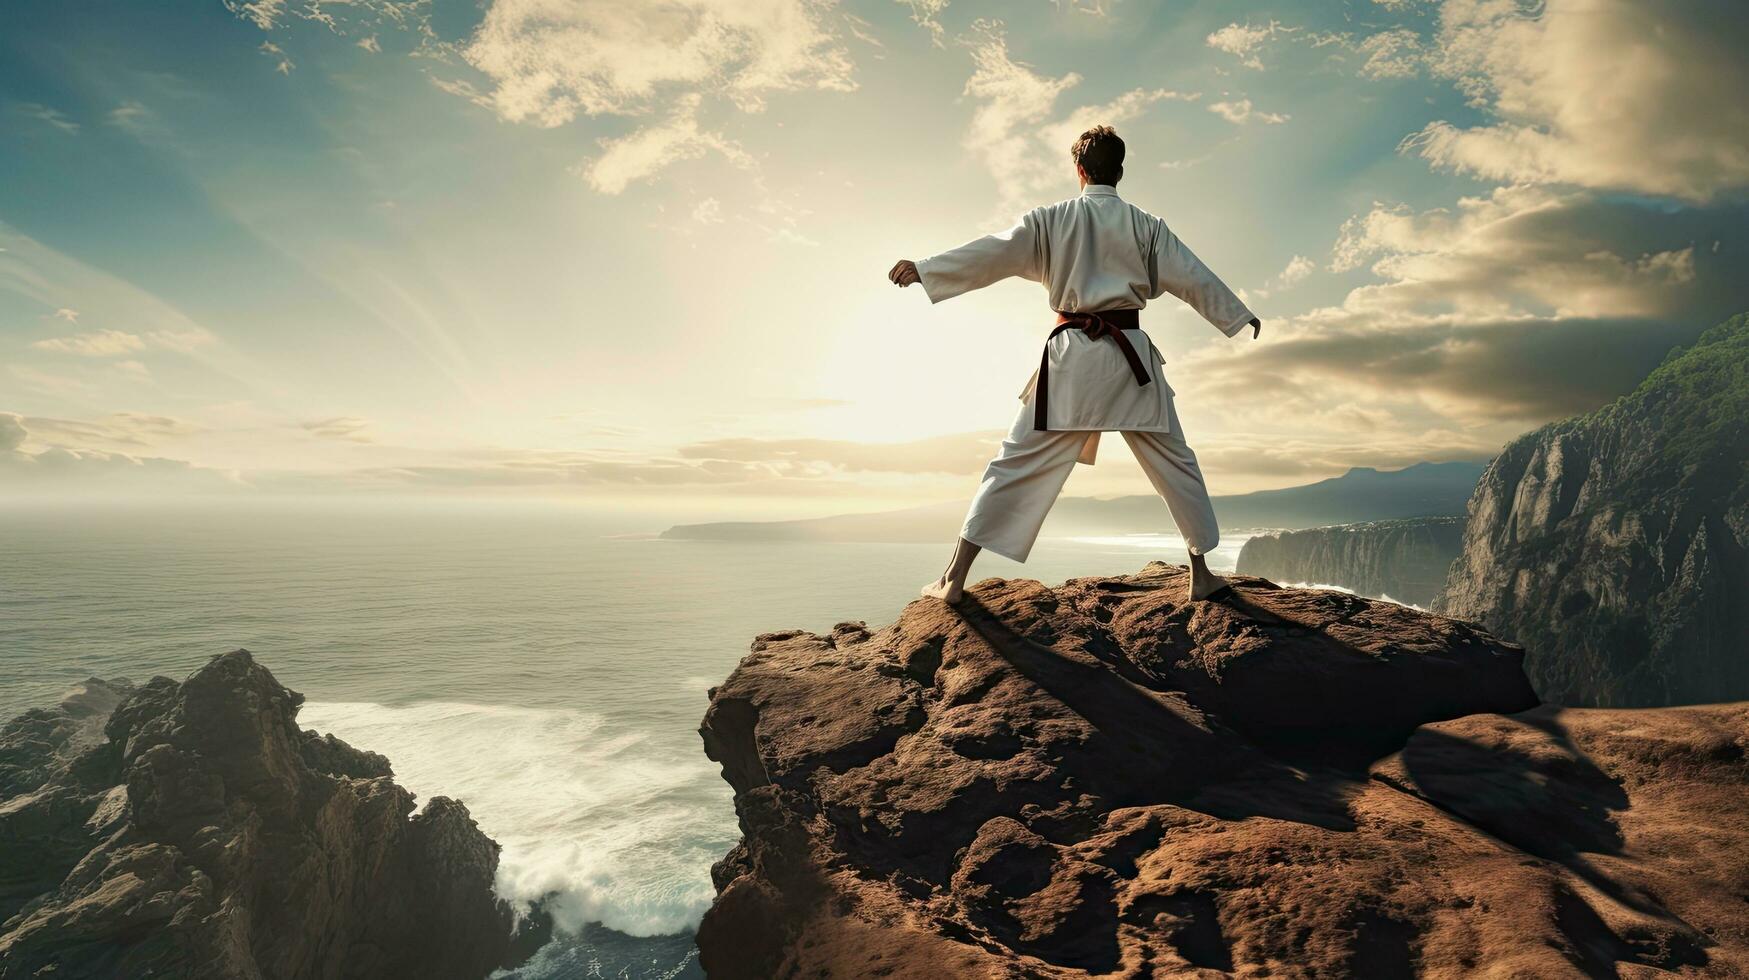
(1099,155)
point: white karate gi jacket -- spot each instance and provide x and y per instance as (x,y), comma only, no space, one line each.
(1092,253)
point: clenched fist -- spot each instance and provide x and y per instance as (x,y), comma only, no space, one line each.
(904,273)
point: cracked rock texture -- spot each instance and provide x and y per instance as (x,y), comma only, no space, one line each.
(193,830)
(1101,779)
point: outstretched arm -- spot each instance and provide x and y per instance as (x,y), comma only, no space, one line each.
(975,264)
(1178,271)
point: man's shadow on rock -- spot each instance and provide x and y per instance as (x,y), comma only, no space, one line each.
(1162,747)
(1559,806)
(1154,734)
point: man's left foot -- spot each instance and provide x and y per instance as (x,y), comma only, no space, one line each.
(941,588)
(1204,586)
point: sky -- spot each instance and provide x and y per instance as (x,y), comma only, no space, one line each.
(632,255)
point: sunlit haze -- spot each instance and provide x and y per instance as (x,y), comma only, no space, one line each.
(632,256)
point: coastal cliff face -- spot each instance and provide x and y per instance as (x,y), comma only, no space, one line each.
(1405,560)
(1101,779)
(193,830)
(1615,545)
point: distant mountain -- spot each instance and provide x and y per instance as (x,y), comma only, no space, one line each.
(1361,494)
(1615,546)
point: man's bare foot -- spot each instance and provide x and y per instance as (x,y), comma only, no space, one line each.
(1204,585)
(941,588)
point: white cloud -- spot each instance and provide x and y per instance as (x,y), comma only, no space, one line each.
(370,44)
(128,115)
(549,60)
(12,431)
(183,340)
(1517,249)
(927,15)
(110,343)
(1246,42)
(1011,129)
(1298,268)
(1096,8)
(708,212)
(1241,112)
(1185,164)
(54,117)
(282,62)
(70,316)
(99,343)
(264,14)
(1512,308)
(346,427)
(127,430)
(1597,93)
(646,152)
(1395,53)
(60,470)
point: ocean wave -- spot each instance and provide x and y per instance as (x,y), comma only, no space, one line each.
(1382,596)
(601,822)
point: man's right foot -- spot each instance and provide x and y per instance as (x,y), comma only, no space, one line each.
(941,588)
(1204,586)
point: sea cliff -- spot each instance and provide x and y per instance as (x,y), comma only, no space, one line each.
(1404,560)
(1103,779)
(193,829)
(1615,545)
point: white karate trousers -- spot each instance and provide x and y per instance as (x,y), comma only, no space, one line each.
(1024,479)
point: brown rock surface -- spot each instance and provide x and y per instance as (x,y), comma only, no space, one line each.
(203,834)
(1101,780)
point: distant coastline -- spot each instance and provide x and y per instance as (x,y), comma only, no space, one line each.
(1361,494)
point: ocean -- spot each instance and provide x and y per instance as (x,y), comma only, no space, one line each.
(546,667)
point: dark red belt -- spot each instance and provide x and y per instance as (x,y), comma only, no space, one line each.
(1105,323)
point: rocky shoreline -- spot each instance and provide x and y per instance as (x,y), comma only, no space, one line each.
(194,830)
(1100,778)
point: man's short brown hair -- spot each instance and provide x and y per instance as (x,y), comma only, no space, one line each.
(1099,154)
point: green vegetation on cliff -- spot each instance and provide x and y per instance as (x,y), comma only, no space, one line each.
(1699,401)
(1704,395)
(1615,545)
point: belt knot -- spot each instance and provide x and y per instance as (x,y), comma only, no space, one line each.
(1097,325)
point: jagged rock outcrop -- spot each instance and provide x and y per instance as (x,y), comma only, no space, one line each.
(1615,546)
(1101,779)
(1405,560)
(193,830)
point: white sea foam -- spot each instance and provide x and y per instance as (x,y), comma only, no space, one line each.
(615,828)
(1383,596)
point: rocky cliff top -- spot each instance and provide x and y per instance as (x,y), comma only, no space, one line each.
(1102,779)
(193,829)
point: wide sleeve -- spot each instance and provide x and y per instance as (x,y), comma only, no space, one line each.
(982,261)
(1176,269)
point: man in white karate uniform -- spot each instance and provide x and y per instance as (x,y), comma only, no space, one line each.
(1101,260)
